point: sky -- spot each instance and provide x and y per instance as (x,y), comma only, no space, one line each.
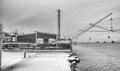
(41,15)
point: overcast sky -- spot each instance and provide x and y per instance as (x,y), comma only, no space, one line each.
(41,15)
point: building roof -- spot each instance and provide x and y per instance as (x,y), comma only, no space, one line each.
(38,32)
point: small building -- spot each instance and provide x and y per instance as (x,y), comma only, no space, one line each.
(6,37)
(9,37)
(36,37)
(26,38)
(39,39)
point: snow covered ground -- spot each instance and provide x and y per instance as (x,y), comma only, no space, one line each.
(43,62)
(98,57)
(10,58)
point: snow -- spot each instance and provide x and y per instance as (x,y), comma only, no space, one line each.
(10,58)
(44,62)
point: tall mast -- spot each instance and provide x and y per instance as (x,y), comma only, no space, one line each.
(59,24)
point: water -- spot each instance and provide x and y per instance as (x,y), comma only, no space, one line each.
(98,56)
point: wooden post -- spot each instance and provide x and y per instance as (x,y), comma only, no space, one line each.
(36,40)
(24,53)
(0,46)
(57,41)
(71,45)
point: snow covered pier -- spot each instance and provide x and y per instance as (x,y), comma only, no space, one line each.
(43,62)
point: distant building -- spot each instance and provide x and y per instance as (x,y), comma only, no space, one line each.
(39,39)
(36,40)
(36,37)
(9,38)
(26,38)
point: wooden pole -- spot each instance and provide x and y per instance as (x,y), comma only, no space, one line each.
(71,45)
(24,53)
(36,40)
(0,46)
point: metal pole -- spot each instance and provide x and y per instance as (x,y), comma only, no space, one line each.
(59,23)
(58,36)
(0,46)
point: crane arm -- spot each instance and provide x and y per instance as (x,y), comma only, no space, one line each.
(91,26)
(101,27)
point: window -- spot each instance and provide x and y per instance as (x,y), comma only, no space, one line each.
(40,40)
(13,38)
(51,40)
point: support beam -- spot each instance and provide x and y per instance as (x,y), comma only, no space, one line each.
(101,27)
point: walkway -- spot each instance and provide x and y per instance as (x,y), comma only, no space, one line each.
(43,62)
